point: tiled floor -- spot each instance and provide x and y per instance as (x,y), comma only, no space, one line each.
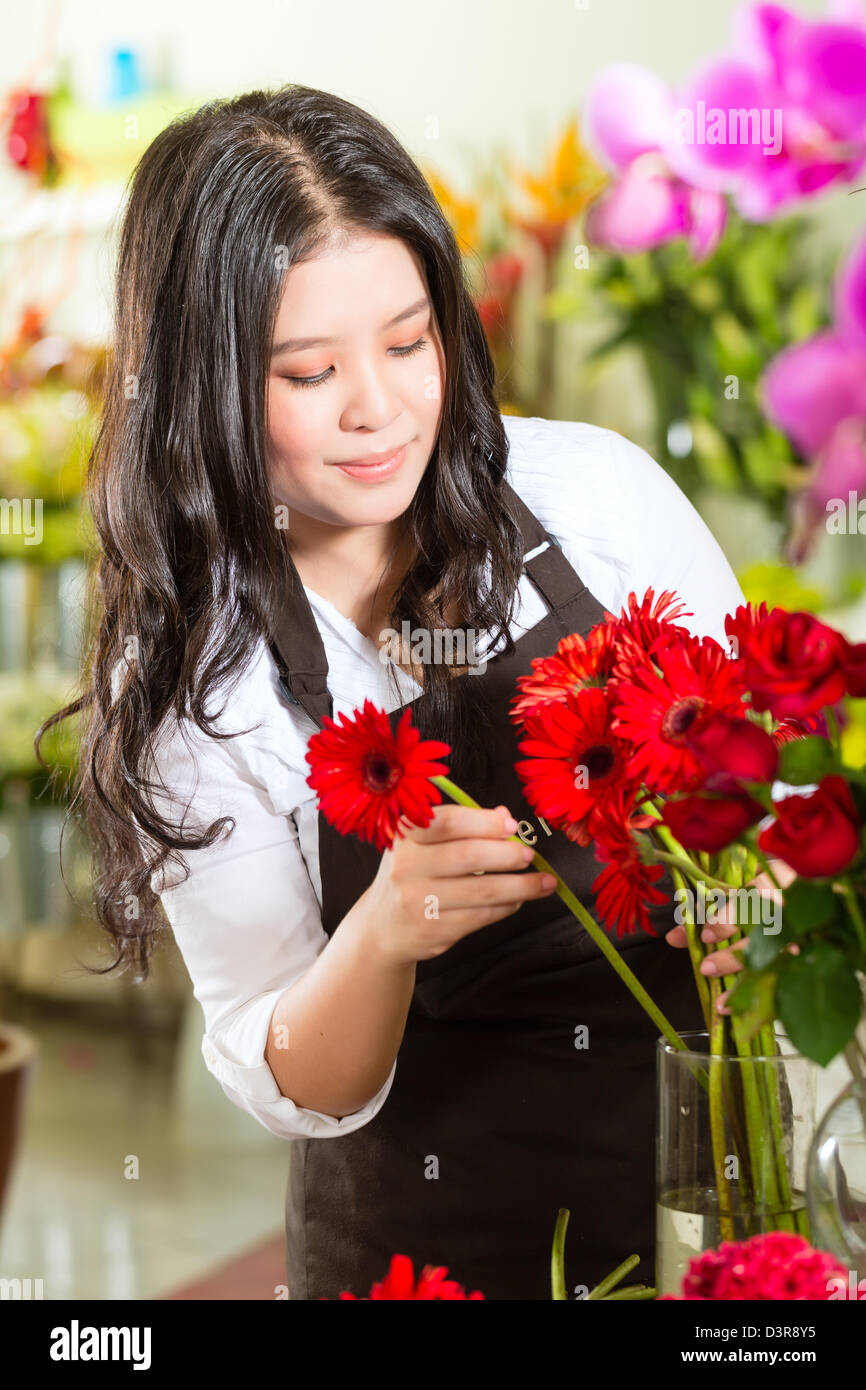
(112,1198)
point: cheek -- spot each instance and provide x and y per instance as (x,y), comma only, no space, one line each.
(298,424)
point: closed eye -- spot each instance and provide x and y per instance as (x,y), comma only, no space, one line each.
(303,381)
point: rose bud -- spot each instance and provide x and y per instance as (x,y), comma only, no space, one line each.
(710,824)
(733,751)
(818,835)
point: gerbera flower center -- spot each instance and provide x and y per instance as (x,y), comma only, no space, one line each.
(681,716)
(380,774)
(598,760)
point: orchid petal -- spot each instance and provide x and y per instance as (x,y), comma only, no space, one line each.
(627,113)
(708,215)
(850,294)
(827,73)
(841,465)
(707,145)
(811,387)
(644,209)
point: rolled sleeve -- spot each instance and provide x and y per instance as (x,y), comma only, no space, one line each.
(251,1085)
(247,923)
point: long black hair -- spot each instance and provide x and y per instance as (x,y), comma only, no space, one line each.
(178,481)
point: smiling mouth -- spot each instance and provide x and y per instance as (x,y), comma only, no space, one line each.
(372,460)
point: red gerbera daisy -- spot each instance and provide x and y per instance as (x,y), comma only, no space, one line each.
(575,762)
(367,775)
(577,662)
(660,703)
(740,625)
(399,1283)
(625,889)
(650,619)
(582,661)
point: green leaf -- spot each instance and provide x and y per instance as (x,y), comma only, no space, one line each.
(752,999)
(819,1001)
(764,947)
(804,760)
(808,906)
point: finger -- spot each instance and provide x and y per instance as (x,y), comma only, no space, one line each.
(719,931)
(453,822)
(783,872)
(455,858)
(677,936)
(492,890)
(722,1001)
(724,962)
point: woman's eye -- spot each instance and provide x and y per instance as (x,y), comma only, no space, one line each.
(319,380)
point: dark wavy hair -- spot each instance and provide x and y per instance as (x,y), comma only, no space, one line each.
(177,476)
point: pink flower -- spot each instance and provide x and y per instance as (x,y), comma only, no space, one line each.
(774,1266)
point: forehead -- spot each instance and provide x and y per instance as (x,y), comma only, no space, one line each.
(350,290)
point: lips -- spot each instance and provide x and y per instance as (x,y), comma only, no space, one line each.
(371,459)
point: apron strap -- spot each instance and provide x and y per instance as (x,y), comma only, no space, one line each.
(298,649)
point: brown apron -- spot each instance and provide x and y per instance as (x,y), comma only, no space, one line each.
(525,1080)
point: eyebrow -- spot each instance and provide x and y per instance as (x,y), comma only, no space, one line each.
(299,344)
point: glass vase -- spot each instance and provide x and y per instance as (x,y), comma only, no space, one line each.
(836,1181)
(732,1142)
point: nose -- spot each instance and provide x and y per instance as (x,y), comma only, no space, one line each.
(371,402)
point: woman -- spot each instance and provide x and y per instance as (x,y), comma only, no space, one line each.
(290,309)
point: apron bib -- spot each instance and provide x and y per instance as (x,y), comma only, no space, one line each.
(525,1080)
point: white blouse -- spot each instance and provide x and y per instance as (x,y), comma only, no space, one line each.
(247,920)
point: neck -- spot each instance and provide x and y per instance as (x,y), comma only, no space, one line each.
(358,569)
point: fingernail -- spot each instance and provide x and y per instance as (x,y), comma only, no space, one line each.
(548,881)
(708,967)
(510,824)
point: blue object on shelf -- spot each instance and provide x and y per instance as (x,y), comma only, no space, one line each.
(125,79)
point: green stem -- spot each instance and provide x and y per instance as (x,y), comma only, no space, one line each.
(850,895)
(696,953)
(601,1290)
(777,1164)
(628,978)
(687,866)
(557,1257)
(765,864)
(717,1115)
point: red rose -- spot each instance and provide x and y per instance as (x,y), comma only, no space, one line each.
(709,824)
(794,664)
(818,835)
(734,750)
(855,670)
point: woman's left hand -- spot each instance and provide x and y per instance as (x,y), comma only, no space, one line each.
(727,962)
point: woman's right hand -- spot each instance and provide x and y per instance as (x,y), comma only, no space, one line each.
(438,884)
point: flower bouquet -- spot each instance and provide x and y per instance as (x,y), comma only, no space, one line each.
(666,751)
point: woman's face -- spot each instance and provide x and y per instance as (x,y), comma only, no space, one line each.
(376,386)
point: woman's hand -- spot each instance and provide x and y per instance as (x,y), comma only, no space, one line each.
(728,962)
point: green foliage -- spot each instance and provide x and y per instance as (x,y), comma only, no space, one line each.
(819,1001)
(706,333)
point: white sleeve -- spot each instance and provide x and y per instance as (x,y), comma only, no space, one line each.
(246,920)
(622,522)
(670,545)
